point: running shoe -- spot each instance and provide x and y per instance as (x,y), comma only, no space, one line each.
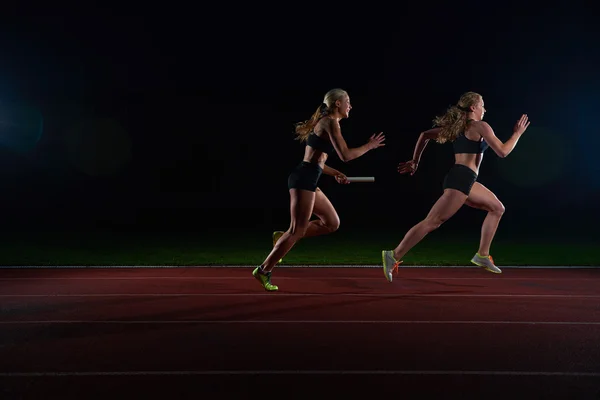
(264,279)
(486,263)
(390,264)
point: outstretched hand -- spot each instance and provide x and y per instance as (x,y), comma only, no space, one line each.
(376,141)
(521,125)
(408,167)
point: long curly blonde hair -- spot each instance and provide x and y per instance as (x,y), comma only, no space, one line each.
(303,129)
(454,120)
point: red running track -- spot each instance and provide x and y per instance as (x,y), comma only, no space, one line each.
(181,333)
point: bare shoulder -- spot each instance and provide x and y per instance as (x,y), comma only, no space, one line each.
(329,125)
(480,126)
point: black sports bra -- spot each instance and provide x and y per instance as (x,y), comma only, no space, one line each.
(464,145)
(318,143)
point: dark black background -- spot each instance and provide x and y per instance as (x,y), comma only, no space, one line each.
(181,118)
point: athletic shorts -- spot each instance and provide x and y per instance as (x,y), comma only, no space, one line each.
(305,176)
(461,178)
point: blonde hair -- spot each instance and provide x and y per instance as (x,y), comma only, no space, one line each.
(303,129)
(454,120)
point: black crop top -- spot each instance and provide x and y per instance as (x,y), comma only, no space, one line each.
(318,143)
(464,145)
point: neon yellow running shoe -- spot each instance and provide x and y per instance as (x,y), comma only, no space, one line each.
(390,264)
(265,280)
(276,236)
(486,263)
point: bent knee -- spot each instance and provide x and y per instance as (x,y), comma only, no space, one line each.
(498,208)
(333,225)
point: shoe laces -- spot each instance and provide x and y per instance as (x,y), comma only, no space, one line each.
(395,267)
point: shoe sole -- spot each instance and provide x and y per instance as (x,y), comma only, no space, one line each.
(254,274)
(487,268)
(383,261)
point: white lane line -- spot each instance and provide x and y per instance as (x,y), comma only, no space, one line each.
(390,295)
(319,278)
(289,266)
(304,372)
(284,322)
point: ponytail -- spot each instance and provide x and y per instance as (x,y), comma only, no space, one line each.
(454,120)
(303,129)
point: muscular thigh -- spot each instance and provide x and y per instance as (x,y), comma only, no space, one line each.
(447,205)
(483,199)
(301,207)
